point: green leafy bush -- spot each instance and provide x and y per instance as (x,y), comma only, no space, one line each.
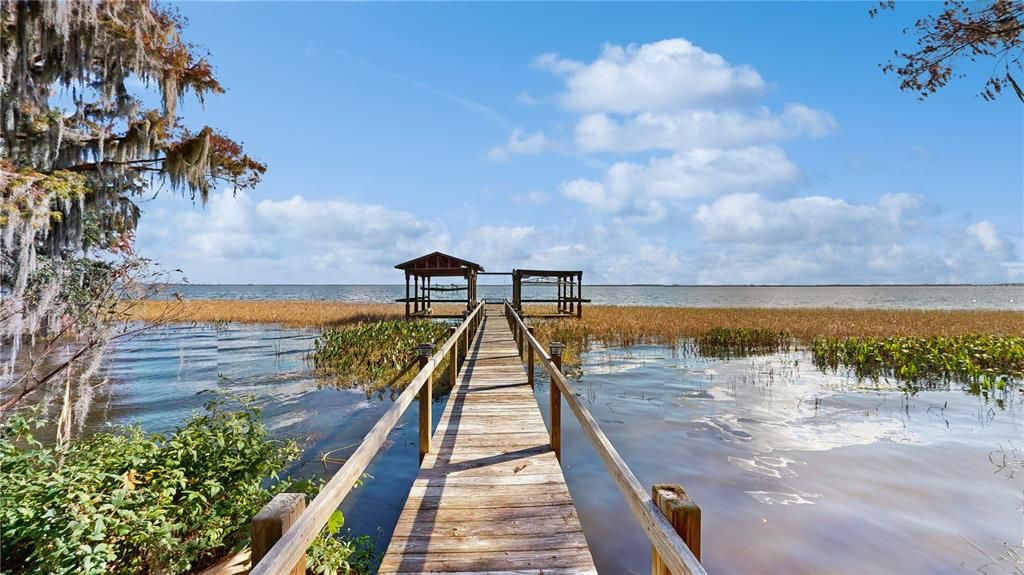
(131,502)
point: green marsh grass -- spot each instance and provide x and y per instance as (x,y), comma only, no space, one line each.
(378,357)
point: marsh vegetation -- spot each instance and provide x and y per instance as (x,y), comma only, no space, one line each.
(378,357)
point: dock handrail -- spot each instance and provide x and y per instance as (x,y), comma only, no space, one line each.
(670,547)
(294,542)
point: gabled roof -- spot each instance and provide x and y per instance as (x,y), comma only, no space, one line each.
(438,261)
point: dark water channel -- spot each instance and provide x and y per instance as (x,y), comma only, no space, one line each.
(795,471)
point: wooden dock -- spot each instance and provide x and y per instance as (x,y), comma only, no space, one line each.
(490,496)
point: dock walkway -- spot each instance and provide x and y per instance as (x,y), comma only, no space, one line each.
(490,496)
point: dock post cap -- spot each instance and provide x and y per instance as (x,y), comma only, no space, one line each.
(424,349)
(556,348)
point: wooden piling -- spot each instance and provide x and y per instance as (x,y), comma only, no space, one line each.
(426,398)
(684,515)
(272,521)
(529,358)
(556,402)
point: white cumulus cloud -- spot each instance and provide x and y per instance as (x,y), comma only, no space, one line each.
(752,218)
(700,128)
(684,175)
(664,75)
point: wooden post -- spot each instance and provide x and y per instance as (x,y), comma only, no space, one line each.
(684,515)
(529,358)
(407,294)
(272,521)
(572,293)
(416,293)
(453,364)
(556,402)
(579,294)
(423,351)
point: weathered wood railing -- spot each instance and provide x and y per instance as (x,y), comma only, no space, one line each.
(664,522)
(290,550)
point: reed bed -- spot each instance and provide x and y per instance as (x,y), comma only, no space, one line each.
(630,325)
(292,313)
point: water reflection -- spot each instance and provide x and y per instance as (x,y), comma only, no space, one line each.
(796,471)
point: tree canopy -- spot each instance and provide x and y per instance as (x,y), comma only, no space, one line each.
(76,144)
(78,148)
(987,32)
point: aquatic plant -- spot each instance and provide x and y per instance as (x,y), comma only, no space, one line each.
(130,502)
(724,342)
(376,357)
(983,362)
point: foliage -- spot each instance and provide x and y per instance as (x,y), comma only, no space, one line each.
(988,31)
(741,342)
(131,502)
(375,356)
(69,178)
(330,553)
(983,362)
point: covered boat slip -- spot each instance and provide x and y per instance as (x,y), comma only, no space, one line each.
(422,271)
(420,286)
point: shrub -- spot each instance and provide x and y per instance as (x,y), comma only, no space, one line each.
(130,502)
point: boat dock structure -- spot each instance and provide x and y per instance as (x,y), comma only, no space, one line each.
(490,495)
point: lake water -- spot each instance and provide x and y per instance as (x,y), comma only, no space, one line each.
(795,471)
(919,297)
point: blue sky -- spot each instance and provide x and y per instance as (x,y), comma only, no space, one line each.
(643,143)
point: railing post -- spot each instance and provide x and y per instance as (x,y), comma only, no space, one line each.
(453,364)
(684,515)
(270,524)
(556,401)
(520,338)
(423,352)
(529,357)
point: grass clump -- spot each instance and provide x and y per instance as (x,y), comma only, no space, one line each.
(130,502)
(724,342)
(376,357)
(984,362)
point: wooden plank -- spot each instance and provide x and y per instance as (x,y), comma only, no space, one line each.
(672,550)
(293,544)
(490,497)
(571,558)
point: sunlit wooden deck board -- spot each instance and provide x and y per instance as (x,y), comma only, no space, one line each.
(490,497)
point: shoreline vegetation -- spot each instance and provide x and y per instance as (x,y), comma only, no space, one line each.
(981,348)
(614,325)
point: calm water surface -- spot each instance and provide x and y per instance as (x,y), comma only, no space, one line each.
(921,297)
(796,471)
